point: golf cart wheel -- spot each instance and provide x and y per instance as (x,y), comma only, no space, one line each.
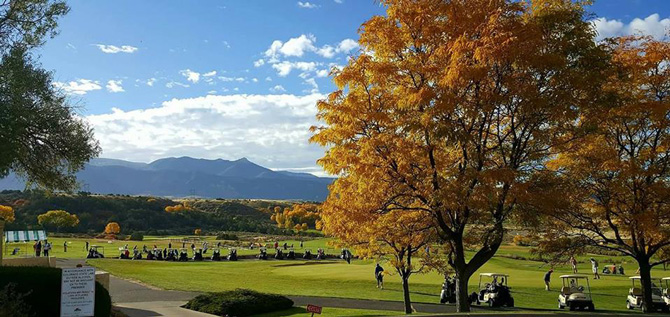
(665,309)
(590,307)
(510,303)
(644,309)
(492,302)
(628,305)
(571,307)
(559,305)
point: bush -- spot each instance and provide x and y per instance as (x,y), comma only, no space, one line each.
(240,302)
(137,236)
(40,289)
(226,236)
(12,303)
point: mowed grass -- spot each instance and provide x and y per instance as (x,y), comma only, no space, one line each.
(339,279)
(334,312)
(77,246)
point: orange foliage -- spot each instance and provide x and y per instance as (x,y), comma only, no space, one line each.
(112,228)
(7,213)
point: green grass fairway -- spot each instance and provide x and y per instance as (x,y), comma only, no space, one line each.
(334,312)
(77,247)
(338,279)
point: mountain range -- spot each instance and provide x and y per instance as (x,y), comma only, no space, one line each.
(186,176)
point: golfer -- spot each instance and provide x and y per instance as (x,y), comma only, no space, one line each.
(573,262)
(594,268)
(379,275)
(547,279)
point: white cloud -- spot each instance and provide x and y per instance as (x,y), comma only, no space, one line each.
(226,44)
(298,46)
(284,68)
(151,81)
(315,87)
(338,1)
(322,73)
(278,88)
(190,75)
(229,79)
(113,49)
(115,86)
(175,83)
(652,25)
(79,86)
(254,79)
(259,63)
(347,45)
(271,130)
(307,5)
(209,74)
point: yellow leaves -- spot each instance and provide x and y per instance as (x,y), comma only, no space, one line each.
(297,217)
(197,232)
(58,219)
(178,208)
(112,228)
(7,213)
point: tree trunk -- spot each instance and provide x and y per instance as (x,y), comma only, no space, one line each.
(462,295)
(645,279)
(405,292)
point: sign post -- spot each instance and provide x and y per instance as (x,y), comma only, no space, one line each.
(314,309)
(77,298)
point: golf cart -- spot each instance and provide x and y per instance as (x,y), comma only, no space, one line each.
(665,285)
(183,255)
(216,255)
(575,293)
(448,294)
(496,293)
(307,255)
(263,254)
(634,299)
(232,254)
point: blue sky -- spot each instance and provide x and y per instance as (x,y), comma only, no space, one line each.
(228,79)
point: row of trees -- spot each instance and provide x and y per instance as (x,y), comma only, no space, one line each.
(298,217)
(463,117)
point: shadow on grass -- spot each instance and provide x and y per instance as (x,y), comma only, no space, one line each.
(303,264)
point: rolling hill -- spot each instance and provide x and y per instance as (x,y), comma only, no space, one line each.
(186,176)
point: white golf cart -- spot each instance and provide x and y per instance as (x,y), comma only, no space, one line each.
(635,299)
(575,293)
(665,284)
(495,293)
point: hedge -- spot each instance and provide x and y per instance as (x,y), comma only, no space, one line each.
(43,285)
(239,303)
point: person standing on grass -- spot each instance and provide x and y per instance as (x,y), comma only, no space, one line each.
(86,245)
(47,248)
(379,275)
(547,279)
(594,268)
(573,262)
(64,246)
(38,248)
(301,244)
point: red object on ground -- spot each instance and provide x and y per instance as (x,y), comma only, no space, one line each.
(314,309)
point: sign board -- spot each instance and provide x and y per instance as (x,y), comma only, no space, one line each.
(77,293)
(314,309)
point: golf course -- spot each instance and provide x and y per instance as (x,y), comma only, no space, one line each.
(335,278)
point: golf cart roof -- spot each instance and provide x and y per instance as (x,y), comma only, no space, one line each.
(665,279)
(574,276)
(637,277)
(493,274)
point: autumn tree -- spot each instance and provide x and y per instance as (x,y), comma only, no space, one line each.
(58,219)
(453,106)
(112,228)
(298,215)
(7,213)
(178,208)
(197,232)
(611,191)
(355,217)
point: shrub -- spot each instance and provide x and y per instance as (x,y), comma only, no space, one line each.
(226,236)
(40,289)
(240,302)
(137,236)
(12,303)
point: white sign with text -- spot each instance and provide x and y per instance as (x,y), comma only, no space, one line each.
(77,297)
